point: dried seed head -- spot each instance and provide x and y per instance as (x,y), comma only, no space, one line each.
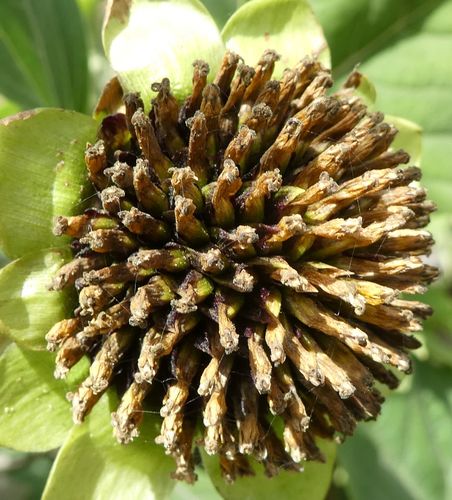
(249,249)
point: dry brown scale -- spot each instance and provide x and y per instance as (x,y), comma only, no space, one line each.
(241,269)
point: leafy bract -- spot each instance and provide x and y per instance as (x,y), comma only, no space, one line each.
(287,26)
(34,413)
(408,451)
(408,138)
(42,175)
(312,483)
(91,464)
(43,54)
(28,309)
(148,40)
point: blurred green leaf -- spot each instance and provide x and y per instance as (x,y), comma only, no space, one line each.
(441,227)
(407,453)
(313,482)
(223,9)
(27,308)
(42,175)
(148,40)
(43,53)
(287,26)
(34,413)
(7,107)
(23,475)
(91,464)
(359,29)
(5,341)
(88,7)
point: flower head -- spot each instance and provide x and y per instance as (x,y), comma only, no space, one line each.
(246,250)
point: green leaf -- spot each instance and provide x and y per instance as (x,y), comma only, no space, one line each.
(148,40)
(43,53)
(407,453)
(287,26)
(357,30)
(34,413)
(7,107)
(313,482)
(27,308)
(91,464)
(99,68)
(221,11)
(42,174)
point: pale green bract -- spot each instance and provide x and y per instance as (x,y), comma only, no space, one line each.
(287,26)
(34,413)
(91,464)
(41,153)
(27,306)
(183,31)
(148,40)
(313,481)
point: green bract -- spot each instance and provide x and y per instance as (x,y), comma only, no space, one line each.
(183,31)
(265,24)
(314,481)
(91,464)
(24,289)
(34,413)
(41,153)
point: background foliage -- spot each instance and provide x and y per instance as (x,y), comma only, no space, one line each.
(50,55)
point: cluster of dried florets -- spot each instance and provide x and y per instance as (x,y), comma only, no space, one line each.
(245,254)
